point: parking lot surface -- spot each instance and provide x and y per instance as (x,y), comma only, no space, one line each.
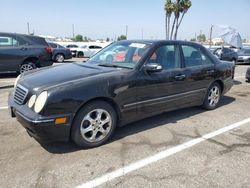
(220,161)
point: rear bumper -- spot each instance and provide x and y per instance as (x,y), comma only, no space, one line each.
(228,84)
(248,74)
(43,129)
(46,63)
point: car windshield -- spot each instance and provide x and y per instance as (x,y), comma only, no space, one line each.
(124,54)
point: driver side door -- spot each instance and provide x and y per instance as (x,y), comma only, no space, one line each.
(162,91)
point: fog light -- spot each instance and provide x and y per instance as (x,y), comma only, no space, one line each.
(59,121)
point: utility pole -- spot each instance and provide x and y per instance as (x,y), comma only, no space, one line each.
(126,31)
(142,33)
(28,26)
(73,30)
(210,37)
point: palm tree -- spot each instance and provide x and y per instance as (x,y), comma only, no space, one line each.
(169,10)
(182,7)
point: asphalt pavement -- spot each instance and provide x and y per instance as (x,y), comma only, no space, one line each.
(195,148)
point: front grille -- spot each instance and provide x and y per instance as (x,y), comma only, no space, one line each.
(20,94)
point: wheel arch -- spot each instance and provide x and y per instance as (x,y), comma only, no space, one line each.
(221,84)
(105,99)
(32,59)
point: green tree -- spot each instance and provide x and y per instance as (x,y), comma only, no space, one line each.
(201,38)
(122,37)
(193,40)
(85,39)
(179,8)
(78,38)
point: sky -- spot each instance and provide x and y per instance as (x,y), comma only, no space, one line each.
(98,19)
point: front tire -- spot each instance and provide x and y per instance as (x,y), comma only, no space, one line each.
(213,97)
(94,124)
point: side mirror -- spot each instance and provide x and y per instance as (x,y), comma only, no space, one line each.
(153,67)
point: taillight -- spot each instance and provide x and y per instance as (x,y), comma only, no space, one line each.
(49,50)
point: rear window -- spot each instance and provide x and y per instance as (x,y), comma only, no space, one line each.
(52,45)
(39,41)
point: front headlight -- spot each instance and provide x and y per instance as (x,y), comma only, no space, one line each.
(32,101)
(17,80)
(40,101)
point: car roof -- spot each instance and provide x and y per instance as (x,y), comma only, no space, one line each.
(162,41)
(24,35)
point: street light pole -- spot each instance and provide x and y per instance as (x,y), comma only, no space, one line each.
(73,30)
(210,40)
(28,26)
(126,32)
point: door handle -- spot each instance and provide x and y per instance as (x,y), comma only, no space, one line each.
(23,49)
(210,71)
(180,77)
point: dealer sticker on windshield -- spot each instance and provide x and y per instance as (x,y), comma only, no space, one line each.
(137,45)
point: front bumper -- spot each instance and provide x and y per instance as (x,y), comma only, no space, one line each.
(43,129)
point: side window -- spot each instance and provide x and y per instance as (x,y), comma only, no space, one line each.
(7,41)
(167,56)
(91,47)
(194,57)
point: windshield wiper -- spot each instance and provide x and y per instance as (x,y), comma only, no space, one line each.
(112,65)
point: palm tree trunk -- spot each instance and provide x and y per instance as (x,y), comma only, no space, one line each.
(181,18)
(176,28)
(168,26)
(172,30)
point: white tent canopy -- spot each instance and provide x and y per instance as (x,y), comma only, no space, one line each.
(230,36)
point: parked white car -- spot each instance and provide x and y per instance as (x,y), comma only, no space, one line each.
(85,51)
(108,56)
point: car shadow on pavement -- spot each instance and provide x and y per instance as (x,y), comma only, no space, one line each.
(8,75)
(139,126)
(236,82)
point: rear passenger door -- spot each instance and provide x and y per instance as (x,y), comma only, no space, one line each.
(198,67)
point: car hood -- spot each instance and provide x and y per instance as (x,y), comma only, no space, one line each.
(61,74)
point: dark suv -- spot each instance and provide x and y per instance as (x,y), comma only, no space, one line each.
(226,54)
(20,53)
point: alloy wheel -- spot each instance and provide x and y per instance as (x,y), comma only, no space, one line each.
(26,67)
(59,58)
(96,125)
(214,96)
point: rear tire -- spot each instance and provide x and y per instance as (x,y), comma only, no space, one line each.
(212,97)
(94,124)
(80,54)
(27,66)
(59,58)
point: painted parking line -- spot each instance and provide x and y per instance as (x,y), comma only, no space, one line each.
(161,155)
(3,107)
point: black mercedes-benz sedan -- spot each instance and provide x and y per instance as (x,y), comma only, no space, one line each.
(85,102)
